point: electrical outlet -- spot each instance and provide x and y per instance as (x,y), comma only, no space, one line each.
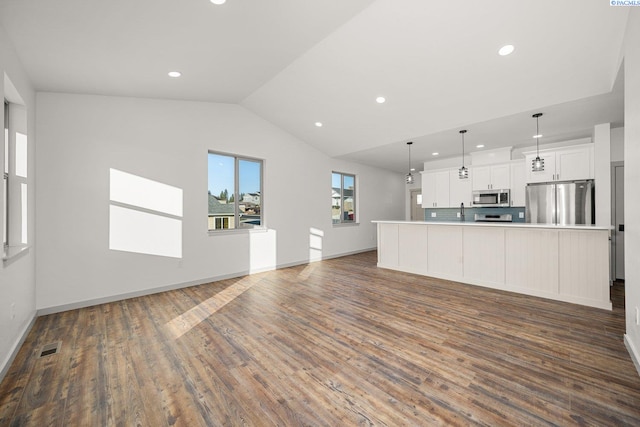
(13,310)
(433,214)
(458,214)
(520,214)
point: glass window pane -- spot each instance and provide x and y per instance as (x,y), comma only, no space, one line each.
(348,196)
(221,187)
(250,197)
(336,197)
(6,137)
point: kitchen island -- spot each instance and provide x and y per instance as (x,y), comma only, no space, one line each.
(564,263)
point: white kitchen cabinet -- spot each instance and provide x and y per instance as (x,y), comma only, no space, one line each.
(388,235)
(564,263)
(574,164)
(480,264)
(547,174)
(412,246)
(565,164)
(531,259)
(445,259)
(435,189)
(491,177)
(518,183)
(459,190)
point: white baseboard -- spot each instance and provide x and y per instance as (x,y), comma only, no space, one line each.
(119,297)
(6,364)
(633,352)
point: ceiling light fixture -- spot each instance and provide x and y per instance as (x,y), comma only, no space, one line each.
(380,100)
(463,173)
(410,175)
(435,154)
(175,73)
(506,50)
(218,2)
(480,146)
(319,124)
(537,164)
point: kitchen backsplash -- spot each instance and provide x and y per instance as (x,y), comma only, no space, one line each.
(451,214)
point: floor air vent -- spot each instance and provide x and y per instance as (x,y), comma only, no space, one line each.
(50,349)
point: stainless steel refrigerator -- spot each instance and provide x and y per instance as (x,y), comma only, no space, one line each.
(563,203)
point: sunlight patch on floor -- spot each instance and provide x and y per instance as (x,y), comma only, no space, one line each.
(182,324)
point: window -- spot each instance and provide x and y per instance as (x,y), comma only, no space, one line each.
(234,192)
(343,198)
(5,180)
(14,204)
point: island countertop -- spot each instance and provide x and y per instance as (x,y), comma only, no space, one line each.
(500,224)
(564,263)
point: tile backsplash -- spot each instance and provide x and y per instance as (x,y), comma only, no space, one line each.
(451,214)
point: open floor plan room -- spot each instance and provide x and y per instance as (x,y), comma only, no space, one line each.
(336,342)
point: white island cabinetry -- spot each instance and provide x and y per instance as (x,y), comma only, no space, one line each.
(564,263)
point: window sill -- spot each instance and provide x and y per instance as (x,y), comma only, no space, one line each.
(346,224)
(10,252)
(236,231)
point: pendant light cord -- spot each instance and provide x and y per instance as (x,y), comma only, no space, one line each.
(462,132)
(537,116)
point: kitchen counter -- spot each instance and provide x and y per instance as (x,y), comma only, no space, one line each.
(501,224)
(564,263)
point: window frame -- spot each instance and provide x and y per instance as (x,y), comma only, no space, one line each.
(236,194)
(5,173)
(342,221)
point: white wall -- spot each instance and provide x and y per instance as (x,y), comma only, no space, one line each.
(631,178)
(17,276)
(83,136)
(617,144)
(602,169)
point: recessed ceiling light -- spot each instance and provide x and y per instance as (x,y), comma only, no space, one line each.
(412,169)
(380,100)
(175,73)
(218,1)
(506,50)
(435,154)
(537,136)
(480,146)
(319,124)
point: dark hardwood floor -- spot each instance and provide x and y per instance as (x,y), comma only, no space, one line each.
(334,343)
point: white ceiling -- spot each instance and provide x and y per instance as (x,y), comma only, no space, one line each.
(295,62)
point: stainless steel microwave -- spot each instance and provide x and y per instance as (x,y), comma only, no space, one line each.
(491,198)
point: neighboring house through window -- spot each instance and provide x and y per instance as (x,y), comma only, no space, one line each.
(235,196)
(343,198)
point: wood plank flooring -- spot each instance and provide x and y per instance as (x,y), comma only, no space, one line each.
(334,343)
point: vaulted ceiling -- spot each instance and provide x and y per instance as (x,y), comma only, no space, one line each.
(298,62)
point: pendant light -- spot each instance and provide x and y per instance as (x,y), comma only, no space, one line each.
(537,164)
(409,175)
(463,173)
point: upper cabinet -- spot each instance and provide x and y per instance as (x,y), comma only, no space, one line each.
(443,189)
(459,190)
(435,189)
(565,164)
(518,183)
(491,177)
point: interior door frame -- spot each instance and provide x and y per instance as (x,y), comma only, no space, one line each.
(413,191)
(614,235)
